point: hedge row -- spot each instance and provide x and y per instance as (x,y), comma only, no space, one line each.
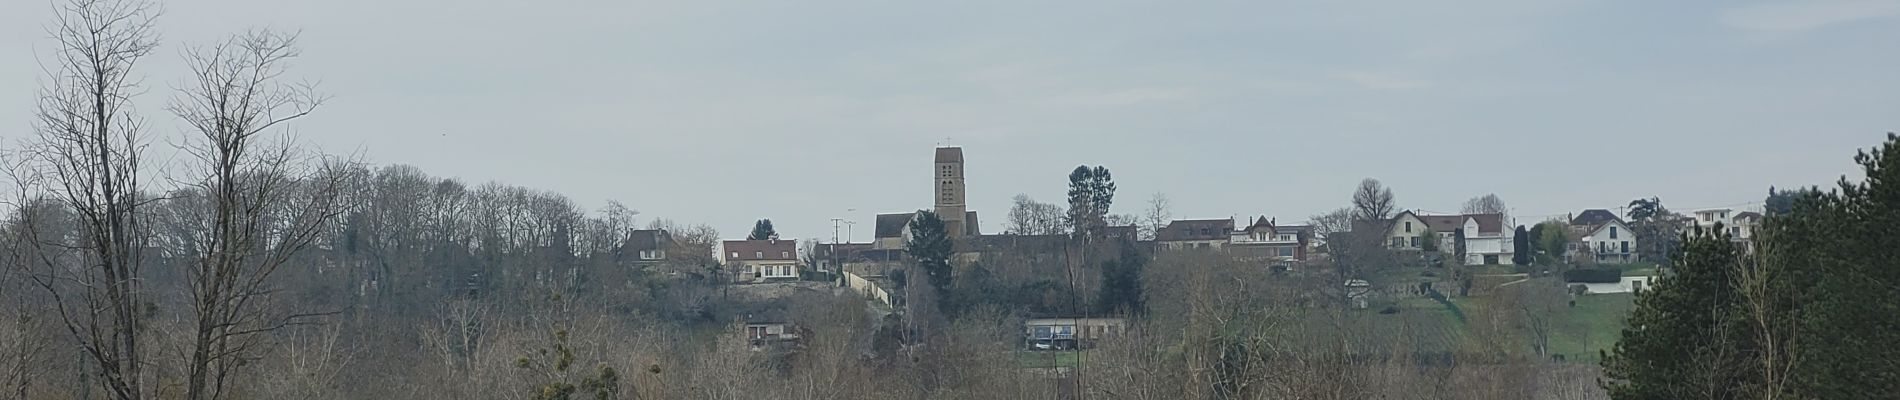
(1593,275)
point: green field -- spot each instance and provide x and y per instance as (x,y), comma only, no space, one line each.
(1593,325)
(1048,359)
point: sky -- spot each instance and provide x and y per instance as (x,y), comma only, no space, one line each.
(724,112)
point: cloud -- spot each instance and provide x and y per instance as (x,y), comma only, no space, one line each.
(1803,16)
(1374,80)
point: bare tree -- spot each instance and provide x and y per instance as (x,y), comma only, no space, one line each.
(1159,212)
(1331,222)
(1771,313)
(262,199)
(88,159)
(1030,217)
(1372,201)
(1486,204)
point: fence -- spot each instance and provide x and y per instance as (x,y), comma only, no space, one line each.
(865,286)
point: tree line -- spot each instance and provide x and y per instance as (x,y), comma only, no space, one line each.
(1809,312)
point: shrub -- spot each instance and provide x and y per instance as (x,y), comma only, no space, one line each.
(1593,275)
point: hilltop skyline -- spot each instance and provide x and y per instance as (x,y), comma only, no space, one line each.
(726,113)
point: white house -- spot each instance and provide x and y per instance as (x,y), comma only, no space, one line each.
(1405,232)
(1487,241)
(1739,224)
(1602,236)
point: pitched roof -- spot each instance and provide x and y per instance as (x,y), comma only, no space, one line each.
(970,225)
(892,225)
(1443,223)
(768,249)
(646,239)
(1302,230)
(1196,229)
(949,154)
(1593,217)
(1489,223)
(1259,223)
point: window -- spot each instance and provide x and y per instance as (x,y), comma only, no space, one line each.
(1408,226)
(1626,247)
(758,254)
(1603,247)
(1612,232)
(784,255)
(1286,251)
(734,255)
(1414,241)
(1398,242)
(652,254)
(1735,231)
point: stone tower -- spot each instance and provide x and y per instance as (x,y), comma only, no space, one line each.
(949,182)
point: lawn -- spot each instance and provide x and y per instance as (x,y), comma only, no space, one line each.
(1594,324)
(1578,333)
(1048,359)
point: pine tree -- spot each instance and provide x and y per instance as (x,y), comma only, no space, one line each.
(1121,282)
(1091,193)
(929,247)
(1682,337)
(1853,320)
(1521,247)
(762,230)
(1458,245)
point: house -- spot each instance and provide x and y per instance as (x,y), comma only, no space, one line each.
(1603,237)
(1740,225)
(830,256)
(1262,240)
(762,259)
(771,329)
(1208,234)
(1486,239)
(1065,333)
(646,246)
(1487,242)
(1405,231)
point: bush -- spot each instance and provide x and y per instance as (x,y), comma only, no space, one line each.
(1593,275)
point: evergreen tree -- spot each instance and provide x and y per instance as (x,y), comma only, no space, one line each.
(1428,241)
(1458,244)
(1682,337)
(1091,193)
(1853,317)
(1811,314)
(1521,247)
(929,247)
(1122,283)
(762,230)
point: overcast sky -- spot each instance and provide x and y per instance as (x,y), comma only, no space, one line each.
(723,112)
